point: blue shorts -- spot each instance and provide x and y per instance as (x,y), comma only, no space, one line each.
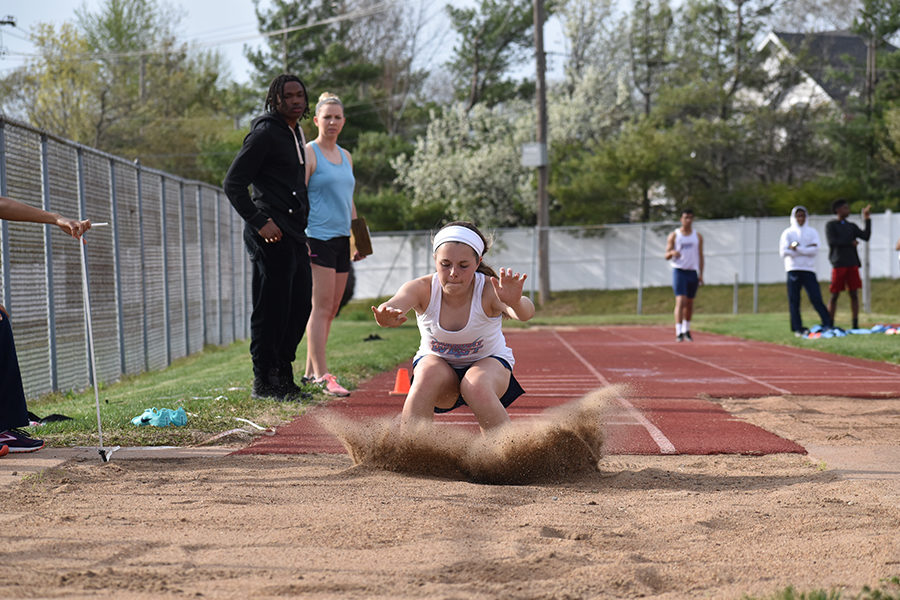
(685,282)
(513,390)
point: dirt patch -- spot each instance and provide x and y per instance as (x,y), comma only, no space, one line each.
(316,526)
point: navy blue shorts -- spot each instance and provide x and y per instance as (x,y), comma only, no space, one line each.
(333,253)
(685,282)
(513,390)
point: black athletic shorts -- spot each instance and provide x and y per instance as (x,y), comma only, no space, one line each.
(333,253)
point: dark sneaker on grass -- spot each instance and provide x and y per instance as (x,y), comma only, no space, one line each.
(263,390)
(18,441)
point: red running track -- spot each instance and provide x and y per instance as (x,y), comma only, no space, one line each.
(661,413)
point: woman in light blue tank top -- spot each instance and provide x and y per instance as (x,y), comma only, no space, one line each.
(330,183)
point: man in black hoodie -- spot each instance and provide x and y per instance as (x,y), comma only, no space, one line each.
(842,235)
(271,160)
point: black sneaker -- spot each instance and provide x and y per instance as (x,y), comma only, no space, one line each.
(263,390)
(291,392)
(679,337)
(19,441)
(687,336)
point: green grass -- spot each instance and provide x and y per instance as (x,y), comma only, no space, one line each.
(214,386)
(888,589)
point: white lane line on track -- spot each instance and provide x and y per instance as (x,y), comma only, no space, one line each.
(658,437)
(709,364)
(837,361)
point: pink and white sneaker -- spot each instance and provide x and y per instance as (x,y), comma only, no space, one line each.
(331,387)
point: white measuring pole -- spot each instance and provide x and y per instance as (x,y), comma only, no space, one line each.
(104,453)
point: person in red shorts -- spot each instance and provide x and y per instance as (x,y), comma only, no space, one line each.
(842,238)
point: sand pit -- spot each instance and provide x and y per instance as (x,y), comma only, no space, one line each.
(320,527)
(564,442)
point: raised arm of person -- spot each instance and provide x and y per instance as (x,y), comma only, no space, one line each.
(866,232)
(413,294)
(13,210)
(508,288)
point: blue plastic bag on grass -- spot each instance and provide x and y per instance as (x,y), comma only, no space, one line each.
(161,417)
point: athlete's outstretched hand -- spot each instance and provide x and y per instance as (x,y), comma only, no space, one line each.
(387,316)
(508,286)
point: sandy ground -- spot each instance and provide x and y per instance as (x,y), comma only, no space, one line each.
(219,526)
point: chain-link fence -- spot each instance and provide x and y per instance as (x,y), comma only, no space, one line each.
(168,276)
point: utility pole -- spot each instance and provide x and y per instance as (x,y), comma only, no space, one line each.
(543,212)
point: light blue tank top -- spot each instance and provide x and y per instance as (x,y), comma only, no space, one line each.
(330,197)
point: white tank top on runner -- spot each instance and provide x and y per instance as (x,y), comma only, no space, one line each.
(689,247)
(481,337)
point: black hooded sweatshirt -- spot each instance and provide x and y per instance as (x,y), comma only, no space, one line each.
(268,160)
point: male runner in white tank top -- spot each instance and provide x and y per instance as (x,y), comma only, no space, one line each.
(684,251)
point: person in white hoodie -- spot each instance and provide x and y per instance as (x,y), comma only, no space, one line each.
(798,247)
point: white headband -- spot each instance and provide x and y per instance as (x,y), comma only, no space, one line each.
(458,233)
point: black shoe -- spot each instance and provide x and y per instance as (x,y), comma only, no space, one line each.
(679,337)
(291,392)
(16,440)
(265,390)
(687,336)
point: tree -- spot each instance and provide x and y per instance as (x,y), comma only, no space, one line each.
(117,79)
(490,39)
(361,50)
(56,90)
(593,38)
(648,39)
(469,164)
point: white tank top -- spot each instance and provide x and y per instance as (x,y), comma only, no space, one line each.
(689,247)
(481,337)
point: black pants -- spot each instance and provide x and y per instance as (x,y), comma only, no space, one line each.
(805,280)
(13,411)
(282,301)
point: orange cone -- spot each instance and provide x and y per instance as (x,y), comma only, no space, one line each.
(401,383)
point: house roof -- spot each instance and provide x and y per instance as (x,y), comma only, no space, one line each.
(836,60)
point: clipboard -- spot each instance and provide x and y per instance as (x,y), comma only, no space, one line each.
(359,237)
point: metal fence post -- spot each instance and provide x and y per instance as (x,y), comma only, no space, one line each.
(48,267)
(756,271)
(184,275)
(534,262)
(164,236)
(217,215)
(640,290)
(203,324)
(140,207)
(734,300)
(117,266)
